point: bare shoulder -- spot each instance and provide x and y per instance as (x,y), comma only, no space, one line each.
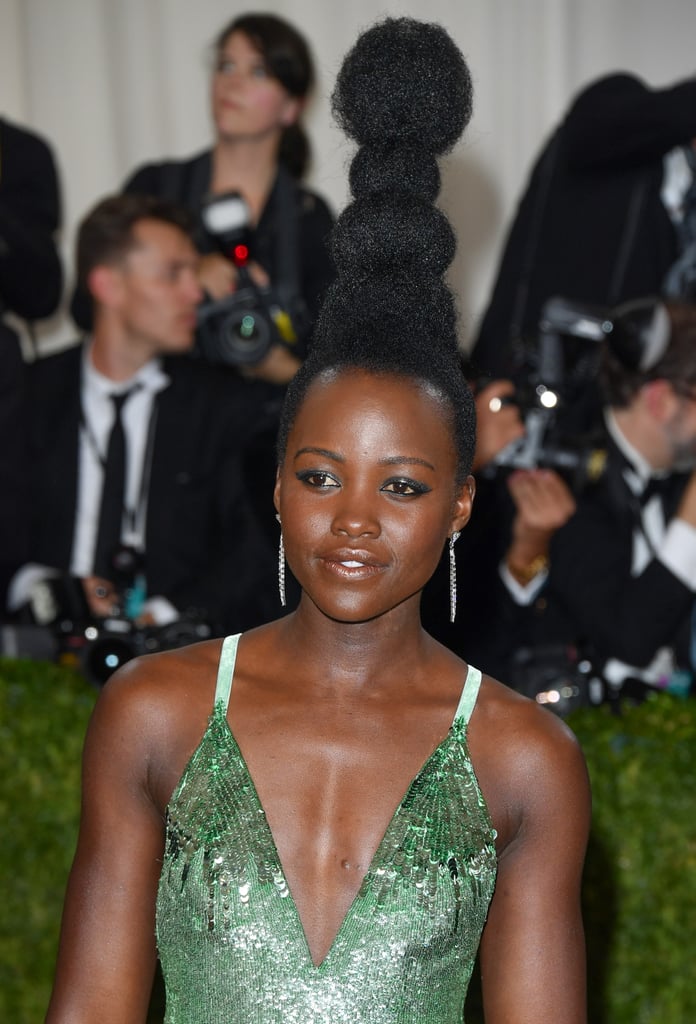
(162,684)
(528,761)
(152,713)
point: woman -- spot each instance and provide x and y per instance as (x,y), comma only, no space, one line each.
(334,829)
(262,76)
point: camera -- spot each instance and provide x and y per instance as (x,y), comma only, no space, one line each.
(59,626)
(559,400)
(239,329)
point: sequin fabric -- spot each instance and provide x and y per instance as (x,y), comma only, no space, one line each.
(231,942)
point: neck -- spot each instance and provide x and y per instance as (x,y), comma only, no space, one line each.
(116,356)
(362,656)
(248,166)
(641,430)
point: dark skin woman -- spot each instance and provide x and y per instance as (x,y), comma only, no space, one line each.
(337,841)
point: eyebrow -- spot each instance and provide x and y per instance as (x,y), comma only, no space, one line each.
(389,460)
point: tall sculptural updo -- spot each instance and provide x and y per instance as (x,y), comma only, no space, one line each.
(404,95)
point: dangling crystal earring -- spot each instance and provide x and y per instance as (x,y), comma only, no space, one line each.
(453,575)
(281,567)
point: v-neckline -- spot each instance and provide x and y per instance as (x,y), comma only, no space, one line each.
(394,817)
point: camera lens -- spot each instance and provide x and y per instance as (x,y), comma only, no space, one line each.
(246,335)
(106,655)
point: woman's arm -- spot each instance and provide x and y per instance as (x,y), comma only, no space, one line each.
(107,951)
(533,949)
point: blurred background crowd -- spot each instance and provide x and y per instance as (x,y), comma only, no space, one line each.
(169,178)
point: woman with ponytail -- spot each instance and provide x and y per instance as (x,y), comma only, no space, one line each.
(324,820)
(262,77)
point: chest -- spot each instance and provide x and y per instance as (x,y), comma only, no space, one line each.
(435,850)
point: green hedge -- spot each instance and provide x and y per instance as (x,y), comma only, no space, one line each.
(640,877)
(43,715)
(640,873)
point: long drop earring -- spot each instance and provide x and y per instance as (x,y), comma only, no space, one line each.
(453,575)
(281,566)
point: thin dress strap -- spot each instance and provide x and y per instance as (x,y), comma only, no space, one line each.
(228,656)
(467,701)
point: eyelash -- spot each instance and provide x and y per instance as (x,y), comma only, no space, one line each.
(416,488)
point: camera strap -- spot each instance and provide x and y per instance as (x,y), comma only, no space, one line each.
(287,240)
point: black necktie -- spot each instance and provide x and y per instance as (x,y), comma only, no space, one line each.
(113,492)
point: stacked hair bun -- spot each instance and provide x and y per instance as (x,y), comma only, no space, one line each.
(404,95)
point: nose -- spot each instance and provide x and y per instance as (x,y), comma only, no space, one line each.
(356,515)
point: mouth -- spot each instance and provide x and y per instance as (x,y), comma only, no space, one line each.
(353,565)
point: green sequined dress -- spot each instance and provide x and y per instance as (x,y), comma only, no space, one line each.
(229,936)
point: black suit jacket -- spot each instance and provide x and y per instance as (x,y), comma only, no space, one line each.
(203,549)
(591,225)
(593,599)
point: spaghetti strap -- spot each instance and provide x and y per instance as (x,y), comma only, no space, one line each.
(467,701)
(228,656)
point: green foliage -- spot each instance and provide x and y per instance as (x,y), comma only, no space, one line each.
(44,711)
(640,875)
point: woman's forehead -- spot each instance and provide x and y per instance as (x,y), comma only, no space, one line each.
(389,403)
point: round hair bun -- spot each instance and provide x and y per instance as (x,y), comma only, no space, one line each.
(394,310)
(378,234)
(384,169)
(405,82)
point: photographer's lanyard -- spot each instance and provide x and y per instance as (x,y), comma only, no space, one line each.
(134,515)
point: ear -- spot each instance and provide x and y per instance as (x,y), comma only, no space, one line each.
(276,491)
(463,505)
(291,111)
(105,285)
(659,399)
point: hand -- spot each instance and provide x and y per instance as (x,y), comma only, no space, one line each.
(102,597)
(216,275)
(544,503)
(278,366)
(542,499)
(498,421)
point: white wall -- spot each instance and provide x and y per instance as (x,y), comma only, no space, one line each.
(112,83)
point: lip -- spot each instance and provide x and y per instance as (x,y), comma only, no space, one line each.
(351,564)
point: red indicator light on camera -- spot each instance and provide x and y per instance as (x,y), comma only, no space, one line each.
(241,254)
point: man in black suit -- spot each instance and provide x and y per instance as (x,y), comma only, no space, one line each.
(136,448)
(30,288)
(622,576)
(600,221)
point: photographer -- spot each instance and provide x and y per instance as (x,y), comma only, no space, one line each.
(605,217)
(622,573)
(505,548)
(262,76)
(135,460)
(31,279)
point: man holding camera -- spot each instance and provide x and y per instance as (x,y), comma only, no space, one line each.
(607,215)
(622,575)
(137,487)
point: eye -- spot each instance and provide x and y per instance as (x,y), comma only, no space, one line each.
(405,487)
(318,478)
(224,66)
(259,71)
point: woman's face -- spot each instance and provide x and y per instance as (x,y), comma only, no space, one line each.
(366,493)
(247,102)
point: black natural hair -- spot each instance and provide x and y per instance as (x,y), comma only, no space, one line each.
(621,379)
(288,59)
(105,235)
(404,94)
